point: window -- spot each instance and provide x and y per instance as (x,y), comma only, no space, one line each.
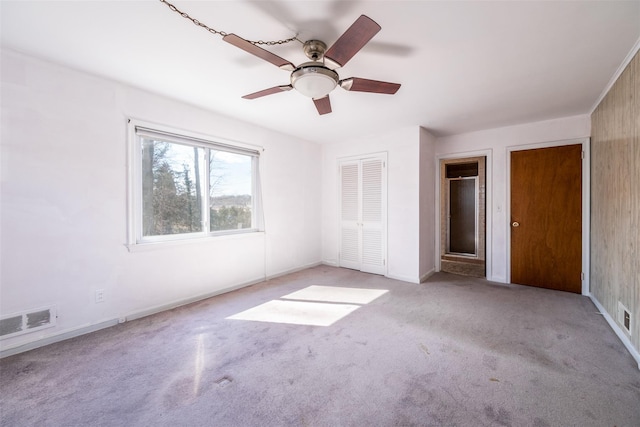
(185,187)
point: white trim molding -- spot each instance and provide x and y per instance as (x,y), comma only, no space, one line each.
(617,74)
(488,185)
(619,332)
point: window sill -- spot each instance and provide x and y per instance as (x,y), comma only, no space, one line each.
(165,244)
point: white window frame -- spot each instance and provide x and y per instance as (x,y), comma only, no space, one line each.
(136,130)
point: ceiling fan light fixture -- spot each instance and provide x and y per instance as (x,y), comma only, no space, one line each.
(314,80)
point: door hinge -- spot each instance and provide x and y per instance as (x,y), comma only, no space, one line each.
(384,262)
(582,275)
(582,155)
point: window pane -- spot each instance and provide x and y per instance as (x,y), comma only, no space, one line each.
(462,170)
(230,190)
(171,188)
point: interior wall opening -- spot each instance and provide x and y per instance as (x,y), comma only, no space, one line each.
(463,216)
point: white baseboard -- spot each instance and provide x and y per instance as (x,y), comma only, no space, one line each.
(330,263)
(61,336)
(623,337)
(76,332)
(164,307)
(403,278)
(428,274)
(498,279)
(292,270)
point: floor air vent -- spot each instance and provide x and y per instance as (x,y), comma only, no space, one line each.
(30,321)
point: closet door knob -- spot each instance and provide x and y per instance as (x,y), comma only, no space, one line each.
(515,224)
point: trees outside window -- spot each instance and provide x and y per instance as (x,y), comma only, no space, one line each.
(193,187)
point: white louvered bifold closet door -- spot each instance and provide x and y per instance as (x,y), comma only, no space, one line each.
(350,215)
(371,218)
(363,214)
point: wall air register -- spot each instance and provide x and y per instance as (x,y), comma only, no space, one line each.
(29,321)
(624,317)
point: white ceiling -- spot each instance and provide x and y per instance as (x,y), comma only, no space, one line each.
(463,66)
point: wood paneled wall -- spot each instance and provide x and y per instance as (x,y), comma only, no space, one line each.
(615,198)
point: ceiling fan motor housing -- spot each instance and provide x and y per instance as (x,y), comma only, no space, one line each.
(314,80)
(314,49)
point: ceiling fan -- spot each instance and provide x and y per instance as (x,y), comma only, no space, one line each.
(316,79)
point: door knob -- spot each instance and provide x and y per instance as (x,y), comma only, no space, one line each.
(515,224)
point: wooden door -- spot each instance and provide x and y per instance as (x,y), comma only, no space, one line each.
(546,218)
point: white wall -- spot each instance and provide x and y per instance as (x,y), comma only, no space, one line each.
(403,209)
(64,189)
(428,184)
(64,194)
(498,140)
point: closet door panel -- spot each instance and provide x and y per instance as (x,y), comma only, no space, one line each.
(349,215)
(372,216)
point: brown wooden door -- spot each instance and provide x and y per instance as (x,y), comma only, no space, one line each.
(546,218)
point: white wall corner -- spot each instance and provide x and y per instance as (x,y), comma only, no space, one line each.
(293,270)
(426,276)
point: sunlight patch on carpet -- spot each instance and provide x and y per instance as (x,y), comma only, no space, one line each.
(314,305)
(297,313)
(198,364)
(335,294)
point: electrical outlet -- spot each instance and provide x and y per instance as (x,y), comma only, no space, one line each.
(99,295)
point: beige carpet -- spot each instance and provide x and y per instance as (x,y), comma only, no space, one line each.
(308,350)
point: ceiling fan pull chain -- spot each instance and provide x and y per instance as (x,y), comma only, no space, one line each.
(222,33)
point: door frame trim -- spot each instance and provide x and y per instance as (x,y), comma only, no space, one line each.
(488,188)
(586,202)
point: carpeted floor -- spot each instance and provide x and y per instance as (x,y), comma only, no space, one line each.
(452,351)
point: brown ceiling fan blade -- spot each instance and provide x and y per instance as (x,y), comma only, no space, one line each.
(323,105)
(356,84)
(258,51)
(270,91)
(354,39)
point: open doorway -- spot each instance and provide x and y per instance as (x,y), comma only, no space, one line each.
(463,216)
